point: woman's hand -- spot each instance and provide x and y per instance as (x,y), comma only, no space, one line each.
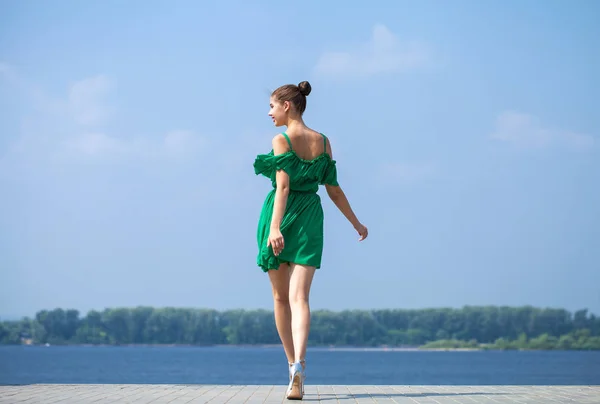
(275,240)
(362,230)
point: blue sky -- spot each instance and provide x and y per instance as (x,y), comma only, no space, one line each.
(467,138)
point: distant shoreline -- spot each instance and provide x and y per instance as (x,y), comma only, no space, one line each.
(319,347)
(269,346)
(467,329)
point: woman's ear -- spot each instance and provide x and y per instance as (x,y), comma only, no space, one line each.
(286,106)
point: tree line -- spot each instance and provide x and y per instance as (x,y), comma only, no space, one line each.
(468,327)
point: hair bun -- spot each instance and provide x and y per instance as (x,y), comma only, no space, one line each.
(304,87)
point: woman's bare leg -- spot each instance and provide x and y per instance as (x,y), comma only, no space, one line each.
(280,284)
(300,282)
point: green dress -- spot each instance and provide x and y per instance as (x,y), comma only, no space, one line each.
(302,222)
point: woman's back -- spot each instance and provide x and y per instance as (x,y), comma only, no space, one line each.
(307,143)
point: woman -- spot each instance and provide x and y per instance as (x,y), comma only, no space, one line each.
(290,229)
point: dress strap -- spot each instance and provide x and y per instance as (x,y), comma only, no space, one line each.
(324,143)
(288,140)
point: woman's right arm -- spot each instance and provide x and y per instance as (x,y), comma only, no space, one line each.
(337,196)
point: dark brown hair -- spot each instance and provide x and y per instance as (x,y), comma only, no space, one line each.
(294,94)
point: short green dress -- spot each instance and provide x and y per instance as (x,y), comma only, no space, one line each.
(302,222)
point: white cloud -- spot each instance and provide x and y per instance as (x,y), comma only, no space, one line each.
(526,131)
(74,126)
(383,53)
(85,100)
(97,144)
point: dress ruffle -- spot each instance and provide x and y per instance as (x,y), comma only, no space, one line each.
(303,173)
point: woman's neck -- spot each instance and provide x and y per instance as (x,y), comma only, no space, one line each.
(295,124)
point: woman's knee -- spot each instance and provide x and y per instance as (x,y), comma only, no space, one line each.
(282,297)
(298,298)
